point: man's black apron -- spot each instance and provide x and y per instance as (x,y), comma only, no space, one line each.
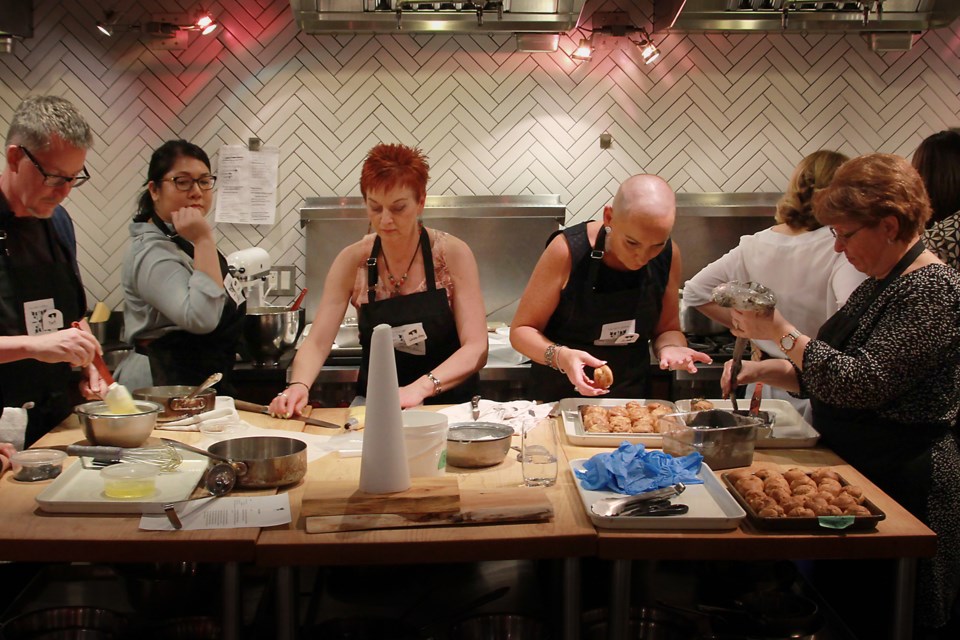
(428,308)
(52,387)
(184,358)
(895,456)
(595,296)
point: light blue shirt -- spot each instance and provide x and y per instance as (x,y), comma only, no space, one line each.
(162,292)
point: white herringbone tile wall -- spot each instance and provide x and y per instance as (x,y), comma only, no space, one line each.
(714,113)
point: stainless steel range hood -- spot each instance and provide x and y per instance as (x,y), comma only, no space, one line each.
(872,16)
(406,16)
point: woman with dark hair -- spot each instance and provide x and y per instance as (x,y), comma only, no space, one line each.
(422,282)
(882,374)
(937,160)
(182,309)
(794,258)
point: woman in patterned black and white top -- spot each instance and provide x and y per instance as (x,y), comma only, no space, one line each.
(937,159)
(883,374)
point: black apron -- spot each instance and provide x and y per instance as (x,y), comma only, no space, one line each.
(184,358)
(429,308)
(52,387)
(587,303)
(895,456)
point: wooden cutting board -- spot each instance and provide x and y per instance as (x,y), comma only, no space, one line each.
(329,507)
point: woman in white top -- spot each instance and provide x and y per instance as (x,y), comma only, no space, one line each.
(795,258)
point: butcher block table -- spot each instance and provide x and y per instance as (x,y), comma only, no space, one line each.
(900,536)
(568,535)
(28,534)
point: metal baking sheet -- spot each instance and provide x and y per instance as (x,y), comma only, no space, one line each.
(573,424)
(80,490)
(711,507)
(790,430)
(824,524)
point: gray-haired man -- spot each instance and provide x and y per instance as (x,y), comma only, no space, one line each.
(40,288)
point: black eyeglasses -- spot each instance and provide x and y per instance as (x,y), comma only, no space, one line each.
(185,183)
(52,179)
(844,237)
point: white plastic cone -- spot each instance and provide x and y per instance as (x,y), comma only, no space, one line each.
(383,462)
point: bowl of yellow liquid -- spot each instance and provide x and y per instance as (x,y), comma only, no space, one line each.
(129,480)
(104,427)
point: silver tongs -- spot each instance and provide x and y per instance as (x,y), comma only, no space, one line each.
(654,502)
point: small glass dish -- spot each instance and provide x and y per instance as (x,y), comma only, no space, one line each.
(33,465)
(129,480)
(221,428)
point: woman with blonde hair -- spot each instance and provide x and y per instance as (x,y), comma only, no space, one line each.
(794,258)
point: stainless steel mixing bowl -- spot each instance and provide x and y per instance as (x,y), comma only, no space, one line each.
(104,428)
(269,332)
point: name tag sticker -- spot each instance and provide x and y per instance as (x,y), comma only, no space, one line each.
(618,333)
(232,286)
(42,317)
(410,338)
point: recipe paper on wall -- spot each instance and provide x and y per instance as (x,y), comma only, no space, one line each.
(247,185)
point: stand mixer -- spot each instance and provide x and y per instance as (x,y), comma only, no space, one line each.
(251,268)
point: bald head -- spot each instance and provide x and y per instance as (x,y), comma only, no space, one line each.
(645,195)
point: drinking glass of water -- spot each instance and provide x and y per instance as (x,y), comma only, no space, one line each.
(538,453)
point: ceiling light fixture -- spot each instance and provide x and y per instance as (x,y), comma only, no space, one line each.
(621,28)
(648,51)
(585,50)
(163,27)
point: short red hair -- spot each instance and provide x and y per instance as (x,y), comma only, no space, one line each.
(388,166)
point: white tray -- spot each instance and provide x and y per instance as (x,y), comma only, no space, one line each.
(790,430)
(573,425)
(711,506)
(79,490)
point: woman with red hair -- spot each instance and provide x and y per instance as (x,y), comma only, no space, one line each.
(422,282)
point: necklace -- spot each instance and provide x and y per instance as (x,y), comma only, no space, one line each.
(398,282)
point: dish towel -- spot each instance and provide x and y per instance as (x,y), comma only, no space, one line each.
(222,414)
(513,414)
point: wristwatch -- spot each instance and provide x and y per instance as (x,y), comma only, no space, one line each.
(790,339)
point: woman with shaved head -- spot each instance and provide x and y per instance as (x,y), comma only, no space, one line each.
(601,293)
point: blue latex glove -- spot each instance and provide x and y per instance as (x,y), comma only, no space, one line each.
(631,469)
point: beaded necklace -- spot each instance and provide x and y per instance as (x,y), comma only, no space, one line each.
(396,283)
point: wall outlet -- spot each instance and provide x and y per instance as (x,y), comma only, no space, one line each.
(282,281)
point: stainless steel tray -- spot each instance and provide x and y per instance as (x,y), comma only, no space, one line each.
(711,507)
(80,490)
(569,409)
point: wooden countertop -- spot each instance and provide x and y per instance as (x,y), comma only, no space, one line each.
(900,535)
(569,534)
(28,534)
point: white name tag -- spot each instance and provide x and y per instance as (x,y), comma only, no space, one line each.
(234,290)
(42,317)
(410,338)
(618,333)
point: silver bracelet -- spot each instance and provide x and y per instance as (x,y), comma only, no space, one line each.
(550,356)
(437,387)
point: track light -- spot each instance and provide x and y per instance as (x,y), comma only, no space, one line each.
(584,51)
(162,28)
(206,24)
(648,51)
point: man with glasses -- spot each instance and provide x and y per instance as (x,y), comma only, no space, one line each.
(40,288)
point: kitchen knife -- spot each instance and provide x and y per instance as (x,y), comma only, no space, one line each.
(243,405)
(738,348)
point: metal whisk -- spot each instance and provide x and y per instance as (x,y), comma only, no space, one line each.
(163,456)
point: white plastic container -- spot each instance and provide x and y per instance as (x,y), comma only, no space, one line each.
(32,465)
(129,480)
(425,437)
